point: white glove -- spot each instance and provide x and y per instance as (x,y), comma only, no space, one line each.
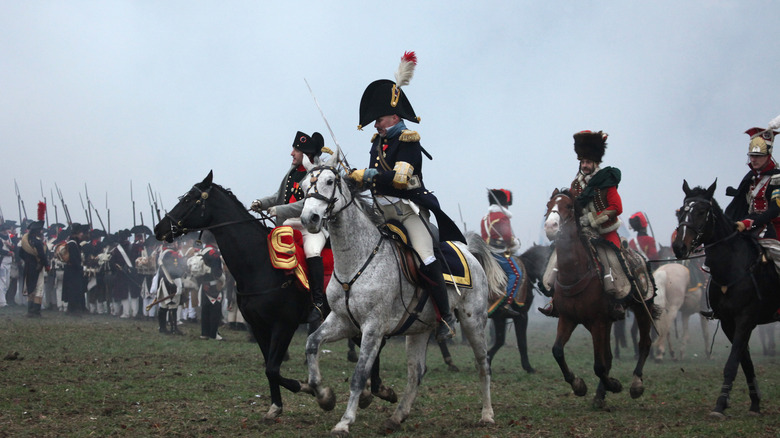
(257,206)
(272,211)
(584,221)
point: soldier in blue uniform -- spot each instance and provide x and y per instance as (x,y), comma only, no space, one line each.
(394,175)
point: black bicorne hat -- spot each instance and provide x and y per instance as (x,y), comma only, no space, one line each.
(385,97)
(590,145)
(309,145)
(35,226)
(500,196)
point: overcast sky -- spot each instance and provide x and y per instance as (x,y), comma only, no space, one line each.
(160,92)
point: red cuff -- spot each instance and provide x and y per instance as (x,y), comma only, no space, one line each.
(748,223)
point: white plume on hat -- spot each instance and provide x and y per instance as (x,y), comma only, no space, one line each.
(775,123)
(405,69)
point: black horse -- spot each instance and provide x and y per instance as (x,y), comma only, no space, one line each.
(535,261)
(743,289)
(270,302)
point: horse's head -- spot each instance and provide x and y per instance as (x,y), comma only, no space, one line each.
(189,213)
(694,219)
(560,209)
(327,193)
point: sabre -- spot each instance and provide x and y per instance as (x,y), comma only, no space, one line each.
(342,158)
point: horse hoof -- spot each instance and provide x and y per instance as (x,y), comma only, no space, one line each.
(579,387)
(530,370)
(599,403)
(365,399)
(390,426)
(453,368)
(753,413)
(637,390)
(718,415)
(352,356)
(273,414)
(306,389)
(327,400)
(339,432)
(614,386)
(386,394)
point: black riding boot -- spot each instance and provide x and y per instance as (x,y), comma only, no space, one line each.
(316,285)
(438,290)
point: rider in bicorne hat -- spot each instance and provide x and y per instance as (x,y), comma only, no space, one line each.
(287,203)
(394,175)
(595,188)
(756,203)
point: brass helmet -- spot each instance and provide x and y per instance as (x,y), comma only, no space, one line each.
(761,139)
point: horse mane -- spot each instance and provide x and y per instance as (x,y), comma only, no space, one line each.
(239,205)
(364,201)
(701,192)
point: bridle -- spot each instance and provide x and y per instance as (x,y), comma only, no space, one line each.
(554,209)
(686,221)
(177,225)
(330,202)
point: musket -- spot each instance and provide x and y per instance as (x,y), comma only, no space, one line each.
(97,213)
(465,228)
(56,216)
(89,206)
(162,207)
(108,213)
(159,300)
(132,200)
(153,203)
(142,217)
(20,202)
(341,157)
(86,213)
(45,203)
(64,205)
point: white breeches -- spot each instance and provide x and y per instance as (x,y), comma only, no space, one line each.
(419,236)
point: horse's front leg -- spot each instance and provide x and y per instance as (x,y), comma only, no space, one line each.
(565,329)
(521,332)
(416,349)
(331,329)
(602,363)
(644,322)
(370,345)
(738,333)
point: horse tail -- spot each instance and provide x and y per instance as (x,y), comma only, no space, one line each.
(495,275)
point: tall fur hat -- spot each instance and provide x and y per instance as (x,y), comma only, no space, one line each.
(309,145)
(500,196)
(590,145)
(761,139)
(385,97)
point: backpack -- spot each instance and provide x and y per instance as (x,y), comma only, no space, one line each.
(61,252)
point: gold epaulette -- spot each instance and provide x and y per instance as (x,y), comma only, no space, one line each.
(409,136)
(373,137)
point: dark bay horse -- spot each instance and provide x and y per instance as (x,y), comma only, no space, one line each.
(743,290)
(267,298)
(535,261)
(579,298)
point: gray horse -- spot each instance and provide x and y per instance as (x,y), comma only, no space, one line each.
(369,296)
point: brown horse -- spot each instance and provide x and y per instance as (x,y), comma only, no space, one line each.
(579,298)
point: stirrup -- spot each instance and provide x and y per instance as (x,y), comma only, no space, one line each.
(444,331)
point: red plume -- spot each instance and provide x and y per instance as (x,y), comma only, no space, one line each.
(409,57)
(41,211)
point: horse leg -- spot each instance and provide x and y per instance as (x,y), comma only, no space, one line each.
(619,330)
(521,332)
(416,348)
(644,323)
(499,324)
(565,329)
(352,355)
(263,338)
(331,329)
(705,332)
(370,344)
(738,333)
(474,329)
(685,337)
(376,386)
(602,363)
(445,354)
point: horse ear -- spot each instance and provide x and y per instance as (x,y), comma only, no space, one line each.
(333,161)
(711,190)
(555,192)
(686,189)
(207,180)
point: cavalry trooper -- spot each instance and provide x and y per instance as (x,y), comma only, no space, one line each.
(756,203)
(287,204)
(595,188)
(394,176)
(643,243)
(496,229)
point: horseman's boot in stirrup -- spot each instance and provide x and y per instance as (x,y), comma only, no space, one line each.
(549,310)
(316,283)
(438,290)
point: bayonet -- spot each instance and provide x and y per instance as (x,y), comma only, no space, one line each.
(132,200)
(20,201)
(89,206)
(56,216)
(108,213)
(86,213)
(64,205)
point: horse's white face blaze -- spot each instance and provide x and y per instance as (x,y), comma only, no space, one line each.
(322,182)
(552,225)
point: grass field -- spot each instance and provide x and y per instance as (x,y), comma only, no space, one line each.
(102,376)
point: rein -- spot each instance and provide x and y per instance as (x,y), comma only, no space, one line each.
(330,201)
